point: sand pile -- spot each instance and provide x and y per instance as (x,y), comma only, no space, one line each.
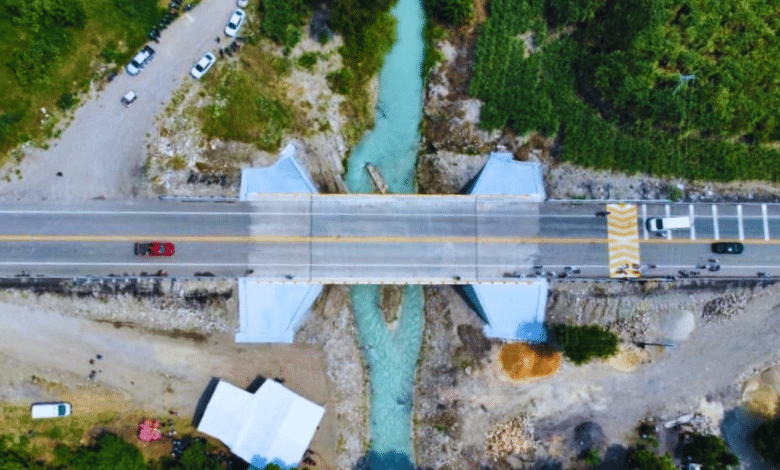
(521,361)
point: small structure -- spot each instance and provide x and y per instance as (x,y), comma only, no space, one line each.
(270,313)
(511,311)
(502,174)
(377,178)
(284,176)
(272,425)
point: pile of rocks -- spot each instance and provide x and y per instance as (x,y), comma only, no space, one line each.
(724,307)
(632,329)
(513,437)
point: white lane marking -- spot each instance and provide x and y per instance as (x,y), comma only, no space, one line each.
(644,221)
(715,227)
(766,222)
(739,222)
(668,211)
(693,221)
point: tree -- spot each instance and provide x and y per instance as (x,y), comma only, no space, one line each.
(710,451)
(766,438)
(642,458)
(581,344)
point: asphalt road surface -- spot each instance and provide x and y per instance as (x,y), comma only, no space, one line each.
(374,239)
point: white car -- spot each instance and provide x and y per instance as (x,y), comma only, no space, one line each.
(243,3)
(140,60)
(128,98)
(203,65)
(235,22)
(50,410)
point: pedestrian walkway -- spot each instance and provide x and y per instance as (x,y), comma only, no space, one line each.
(623,240)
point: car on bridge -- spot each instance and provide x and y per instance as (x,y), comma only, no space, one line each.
(731,248)
(154,249)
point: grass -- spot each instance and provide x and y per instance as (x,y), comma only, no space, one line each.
(69,71)
(251,103)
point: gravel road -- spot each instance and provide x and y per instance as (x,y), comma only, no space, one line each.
(101,154)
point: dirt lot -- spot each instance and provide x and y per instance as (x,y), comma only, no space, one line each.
(461,393)
(46,355)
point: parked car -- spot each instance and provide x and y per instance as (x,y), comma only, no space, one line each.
(203,65)
(731,248)
(140,60)
(154,249)
(50,410)
(243,3)
(129,97)
(235,22)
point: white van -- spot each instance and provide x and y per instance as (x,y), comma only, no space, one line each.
(50,410)
(662,224)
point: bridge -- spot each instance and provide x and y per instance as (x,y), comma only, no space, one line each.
(391,239)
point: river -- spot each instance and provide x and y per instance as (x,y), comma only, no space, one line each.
(392,147)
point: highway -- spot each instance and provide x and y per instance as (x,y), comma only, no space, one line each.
(352,239)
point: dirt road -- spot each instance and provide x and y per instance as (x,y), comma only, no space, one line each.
(102,153)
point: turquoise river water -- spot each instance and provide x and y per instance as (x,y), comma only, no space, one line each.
(392,147)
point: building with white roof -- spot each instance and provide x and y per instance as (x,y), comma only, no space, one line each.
(272,425)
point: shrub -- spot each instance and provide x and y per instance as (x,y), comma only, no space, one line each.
(341,81)
(581,344)
(307,60)
(282,20)
(451,12)
(7,121)
(766,438)
(67,101)
(711,452)
(641,458)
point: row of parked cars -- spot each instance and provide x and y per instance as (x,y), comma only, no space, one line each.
(145,55)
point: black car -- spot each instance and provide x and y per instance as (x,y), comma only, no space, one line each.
(731,248)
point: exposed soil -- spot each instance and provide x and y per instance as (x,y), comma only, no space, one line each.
(704,373)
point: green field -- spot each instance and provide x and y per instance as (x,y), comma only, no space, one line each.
(653,86)
(51,49)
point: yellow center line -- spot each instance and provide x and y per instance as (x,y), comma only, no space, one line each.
(353,239)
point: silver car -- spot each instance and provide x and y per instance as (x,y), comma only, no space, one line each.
(235,22)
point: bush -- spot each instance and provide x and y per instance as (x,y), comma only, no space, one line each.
(711,452)
(341,81)
(67,101)
(581,344)
(451,12)
(308,60)
(766,438)
(282,20)
(7,121)
(641,458)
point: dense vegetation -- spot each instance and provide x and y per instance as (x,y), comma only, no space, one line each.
(581,344)
(109,452)
(283,20)
(653,86)
(48,47)
(709,451)
(766,438)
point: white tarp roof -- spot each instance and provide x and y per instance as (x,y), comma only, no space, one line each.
(284,176)
(514,311)
(270,313)
(502,174)
(273,425)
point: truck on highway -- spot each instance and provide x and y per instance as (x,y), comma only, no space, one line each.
(662,224)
